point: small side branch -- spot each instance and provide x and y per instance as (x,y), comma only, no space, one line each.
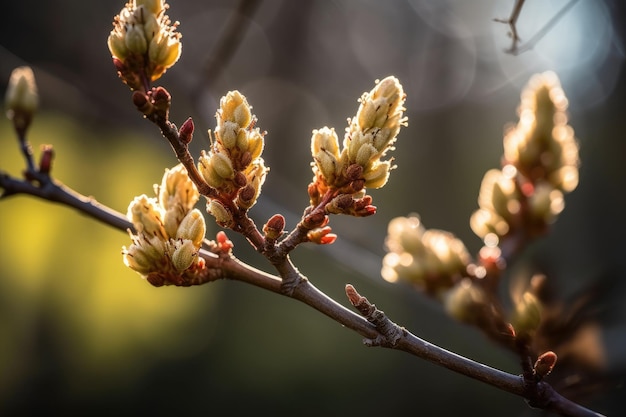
(390,333)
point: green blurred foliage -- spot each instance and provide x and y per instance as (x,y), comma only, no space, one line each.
(63,272)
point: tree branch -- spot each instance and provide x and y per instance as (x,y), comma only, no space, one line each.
(544,396)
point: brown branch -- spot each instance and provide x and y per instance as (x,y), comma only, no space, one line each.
(375,327)
(515,48)
(512,22)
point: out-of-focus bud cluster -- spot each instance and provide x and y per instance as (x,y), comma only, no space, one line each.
(540,164)
(21,99)
(233,165)
(527,309)
(371,133)
(168,232)
(433,260)
(144,42)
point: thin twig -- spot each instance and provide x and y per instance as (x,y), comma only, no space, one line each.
(512,22)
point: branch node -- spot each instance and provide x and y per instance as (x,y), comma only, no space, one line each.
(390,332)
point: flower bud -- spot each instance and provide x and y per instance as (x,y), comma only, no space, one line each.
(327,165)
(377,175)
(325,139)
(146,216)
(171,220)
(135,40)
(208,172)
(136,259)
(183,255)
(222,215)
(466,302)
(255,143)
(177,189)
(545,364)
(222,165)
(321,236)
(274,227)
(21,98)
(364,154)
(185,133)
(527,315)
(192,227)
(227,134)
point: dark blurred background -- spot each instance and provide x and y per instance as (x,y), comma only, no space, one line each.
(80,333)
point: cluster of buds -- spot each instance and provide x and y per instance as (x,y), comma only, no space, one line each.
(371,133)
(540,164)
(144,42)
(233,166)
(433,260)
(168,232)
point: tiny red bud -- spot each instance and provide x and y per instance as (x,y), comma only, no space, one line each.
(161,100)
(141,101)
(545,363)
(316,219)
(45,163)
(357,185)
(161,94)
(240,179)
(223,242)
(274,226)
(156,279)
(247,193)
(185,133)
(328,239)
(354,172)
(245,159)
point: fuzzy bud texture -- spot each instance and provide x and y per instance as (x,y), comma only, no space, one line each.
(370,134)
(144,42)
(169,232)
(433,260)
(233,165)
(540,165)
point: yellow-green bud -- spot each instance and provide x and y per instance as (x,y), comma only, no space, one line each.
(255,143)
(242,115)
(325,139)
(377,175)
(21,95)
(222,215)
(208,171)
(171,219)
(151,29)
(327,165)
(183,255)
(229,111)
(192,227)
(136,40)
(227,133)
(117,46)
(465,302)
(177,189)
(365,154)
(527,315)
(146,216)
(222,165)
